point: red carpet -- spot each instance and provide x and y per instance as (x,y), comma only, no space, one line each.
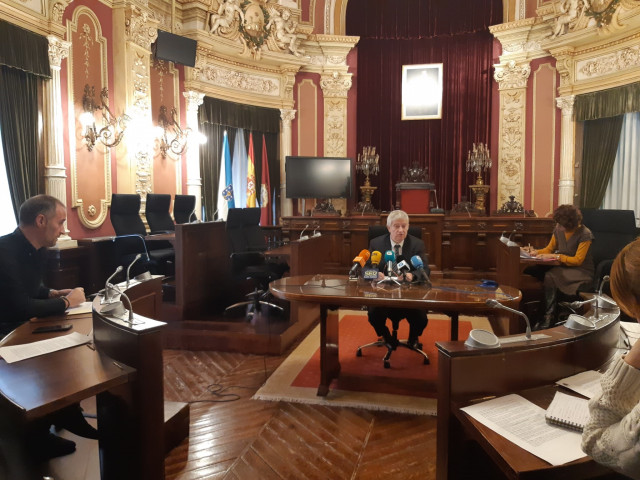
(367,373)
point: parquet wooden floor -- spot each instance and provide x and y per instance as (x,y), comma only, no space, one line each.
(235,438)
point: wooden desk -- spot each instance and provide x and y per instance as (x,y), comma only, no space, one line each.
(333,291)
(465,374)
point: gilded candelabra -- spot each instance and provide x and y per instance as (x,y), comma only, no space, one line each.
(478,162)
(367,163)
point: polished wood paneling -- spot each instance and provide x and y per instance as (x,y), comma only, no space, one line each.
(66,268)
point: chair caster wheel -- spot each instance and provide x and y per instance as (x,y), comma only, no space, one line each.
(387,364)
(359,352)
(426,361)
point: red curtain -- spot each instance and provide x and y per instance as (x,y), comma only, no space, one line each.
(394,33)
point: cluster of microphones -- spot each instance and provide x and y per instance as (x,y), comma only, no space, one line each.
(367,265)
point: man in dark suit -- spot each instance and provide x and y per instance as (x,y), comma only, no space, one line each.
(400,242)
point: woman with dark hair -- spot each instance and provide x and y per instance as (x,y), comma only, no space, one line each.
(569,245)
(612,434)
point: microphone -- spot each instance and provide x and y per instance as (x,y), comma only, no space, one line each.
(496,304)
(107,284)
(130,308)
(315,232)
(418,264)
(402,265)
(604,280)
(130,265)
(504,239)
(359,262)
(376,256)
(305,237)
(511,243)
(389,259)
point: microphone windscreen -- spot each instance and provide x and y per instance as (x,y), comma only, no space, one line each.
(417,262)
(364,253)
(376,256)
(389,256)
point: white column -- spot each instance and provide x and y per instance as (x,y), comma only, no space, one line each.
(566,183)
(287,116)
(55,173)
(194,179)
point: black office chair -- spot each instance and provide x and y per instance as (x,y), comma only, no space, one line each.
(612,231)
(376,231)
(157,213)
(130,238)
(184,207)
(248,262)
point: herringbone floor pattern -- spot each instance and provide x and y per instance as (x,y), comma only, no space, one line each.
(237,438)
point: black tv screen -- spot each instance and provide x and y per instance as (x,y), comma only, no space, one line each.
(318,177)
(175,48)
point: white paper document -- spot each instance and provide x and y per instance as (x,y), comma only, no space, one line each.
(523,423)
(84,307)
(15,353)
(585,383)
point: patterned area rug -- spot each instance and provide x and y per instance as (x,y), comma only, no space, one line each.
(408,386)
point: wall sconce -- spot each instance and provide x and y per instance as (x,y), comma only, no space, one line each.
(169,127)
(113,127)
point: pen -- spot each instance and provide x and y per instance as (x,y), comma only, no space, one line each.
(482,399)
(118,365)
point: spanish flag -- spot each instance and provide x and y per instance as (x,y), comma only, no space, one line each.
(251,175)
(265,188)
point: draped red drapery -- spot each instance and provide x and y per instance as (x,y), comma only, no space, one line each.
(394,33)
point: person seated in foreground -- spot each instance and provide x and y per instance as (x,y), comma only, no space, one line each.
(569,245)
(612,434)
(400,242)
(23,296)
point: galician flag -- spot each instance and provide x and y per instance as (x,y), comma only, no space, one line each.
(225,185)
(265,188)
(251,175)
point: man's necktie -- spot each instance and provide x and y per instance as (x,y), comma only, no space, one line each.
(396,249)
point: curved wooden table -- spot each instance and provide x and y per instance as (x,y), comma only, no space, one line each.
(331,292)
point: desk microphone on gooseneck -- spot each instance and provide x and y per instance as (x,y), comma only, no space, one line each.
(496,304)
(107,284)
(304,237)
(138,256)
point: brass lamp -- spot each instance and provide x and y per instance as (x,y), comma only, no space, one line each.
(170,128)
(112,130)
(367,163)
(478,162)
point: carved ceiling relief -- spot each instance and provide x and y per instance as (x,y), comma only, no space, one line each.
(141,27)
(257,26)
(335,127)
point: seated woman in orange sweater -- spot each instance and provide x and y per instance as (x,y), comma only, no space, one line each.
(570,245)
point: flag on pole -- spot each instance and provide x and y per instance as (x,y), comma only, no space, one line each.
(265,188)
(240,170)
(251,175)
(225,184)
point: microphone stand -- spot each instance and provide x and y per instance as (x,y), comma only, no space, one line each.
(496,304)
(131,265)
(130,308)
(597,313)
(107,285)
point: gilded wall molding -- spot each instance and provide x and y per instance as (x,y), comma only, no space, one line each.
(625,59)
(336,85)
(512,75)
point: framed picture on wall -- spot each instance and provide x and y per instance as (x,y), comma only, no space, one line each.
(422,91)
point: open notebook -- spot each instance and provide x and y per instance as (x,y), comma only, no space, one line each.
(568,411)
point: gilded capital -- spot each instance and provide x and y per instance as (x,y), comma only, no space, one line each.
(566,104)
(193,99)
(512,75)
(287,115)
(336,84)
(58,50)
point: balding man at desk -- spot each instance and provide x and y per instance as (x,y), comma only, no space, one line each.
(23,296)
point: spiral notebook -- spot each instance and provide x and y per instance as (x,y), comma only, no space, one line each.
(568,411)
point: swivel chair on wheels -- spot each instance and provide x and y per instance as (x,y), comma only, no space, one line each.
(376,231)
(248,262)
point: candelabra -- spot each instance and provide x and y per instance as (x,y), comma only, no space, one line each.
(478,162)
(112,130)
(169,127)
(367,163)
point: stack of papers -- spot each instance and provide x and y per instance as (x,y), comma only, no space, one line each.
(15,353)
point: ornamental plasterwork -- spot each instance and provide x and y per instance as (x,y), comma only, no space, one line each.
(227,78)
(141,91)
(335,137)
(287,115)
(571,15)
(58,50)
(511,162)
(57,10)
(336,85)
(521,47)
(619,61)
(164,22)
(566,104)
(140,28)
(512,75)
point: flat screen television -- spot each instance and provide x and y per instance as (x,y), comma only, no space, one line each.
(175,48)
(318,177)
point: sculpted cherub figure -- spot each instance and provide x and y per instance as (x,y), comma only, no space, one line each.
(284,33)
(226,15)
(570,10)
